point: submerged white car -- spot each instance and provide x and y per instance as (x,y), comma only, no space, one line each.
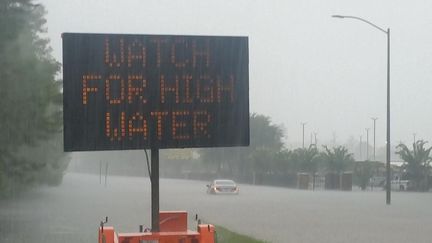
(222,186)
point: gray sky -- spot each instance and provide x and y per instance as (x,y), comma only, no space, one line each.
(304,65)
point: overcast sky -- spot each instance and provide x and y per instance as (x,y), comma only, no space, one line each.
(304,65)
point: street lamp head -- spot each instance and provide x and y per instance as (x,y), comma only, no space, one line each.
(363,20)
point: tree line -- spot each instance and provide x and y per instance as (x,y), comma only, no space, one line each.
(267,159)
(31,148)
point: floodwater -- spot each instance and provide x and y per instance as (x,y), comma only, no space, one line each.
(72,212)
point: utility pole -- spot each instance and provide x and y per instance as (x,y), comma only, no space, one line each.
(361,147)
(414,135)
(374,123)
(315,134)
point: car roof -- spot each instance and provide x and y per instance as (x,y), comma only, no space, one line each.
(223,180)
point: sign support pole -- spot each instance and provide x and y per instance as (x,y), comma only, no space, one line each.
(155,188)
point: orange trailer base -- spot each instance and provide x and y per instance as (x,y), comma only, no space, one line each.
(173,229)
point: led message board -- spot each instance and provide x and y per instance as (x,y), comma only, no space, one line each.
(154,91)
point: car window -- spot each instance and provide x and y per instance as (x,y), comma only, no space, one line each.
(225,183)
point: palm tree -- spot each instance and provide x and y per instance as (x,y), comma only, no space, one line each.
(417,163)
(306,159)
(337,159)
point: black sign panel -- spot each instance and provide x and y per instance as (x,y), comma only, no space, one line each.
(154,91)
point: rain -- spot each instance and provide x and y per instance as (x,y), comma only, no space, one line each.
(317,111)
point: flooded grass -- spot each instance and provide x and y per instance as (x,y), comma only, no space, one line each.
(224,235)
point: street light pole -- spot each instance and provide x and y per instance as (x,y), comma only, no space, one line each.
(303,124)
(388,195)
(367,143)
(374,122)
(387,32)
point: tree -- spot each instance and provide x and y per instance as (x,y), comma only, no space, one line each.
(417,163)
(264,134)
(265,137)
(260,164)
(30,111)
(220,158)
(307,160)
(337,159)
(282,162)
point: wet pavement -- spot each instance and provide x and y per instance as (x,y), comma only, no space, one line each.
(72,211)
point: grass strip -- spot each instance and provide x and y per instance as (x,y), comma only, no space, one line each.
(223,235)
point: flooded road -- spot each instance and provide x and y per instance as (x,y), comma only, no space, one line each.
(72,211)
